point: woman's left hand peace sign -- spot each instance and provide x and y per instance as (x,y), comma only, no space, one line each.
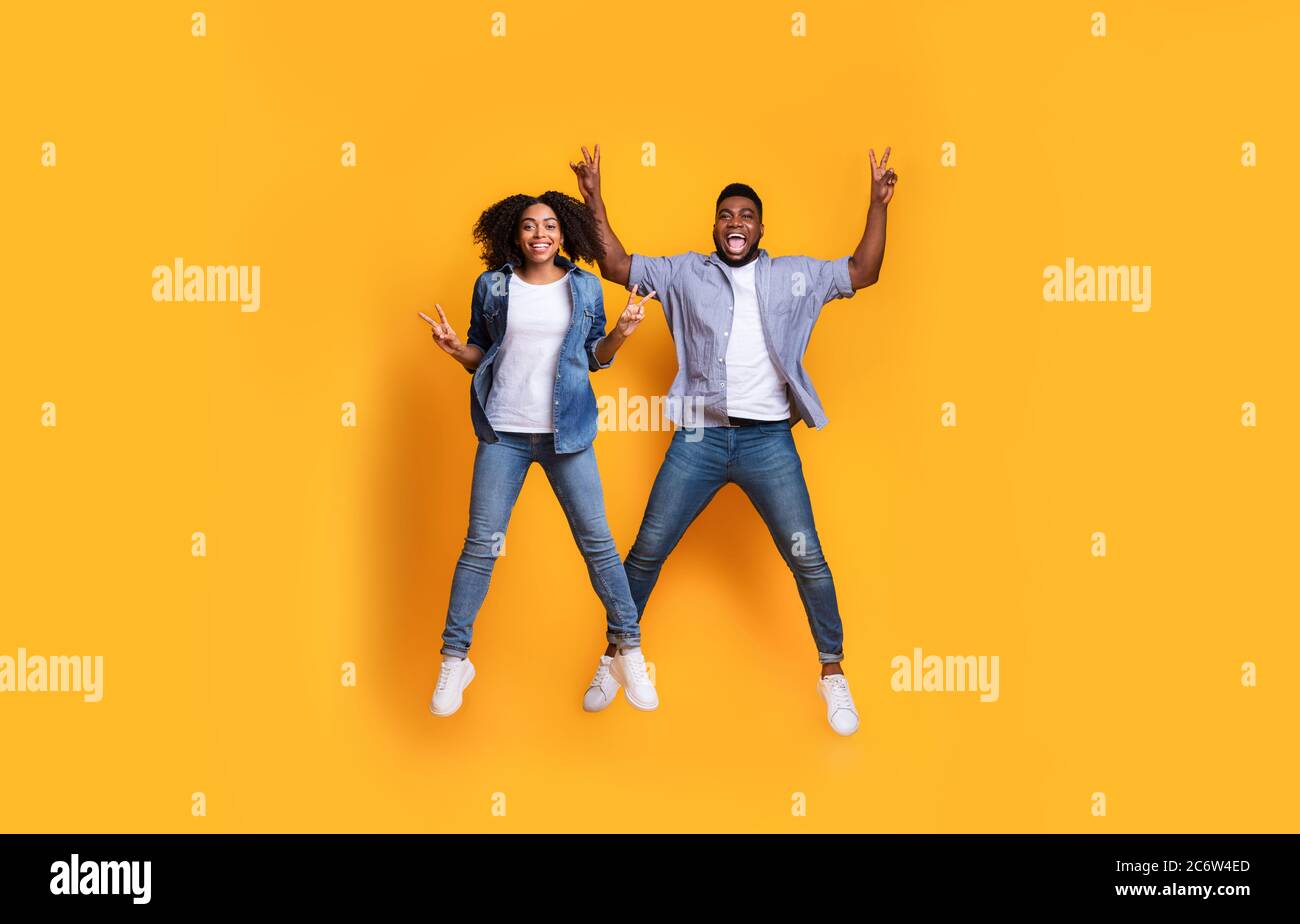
(633,313)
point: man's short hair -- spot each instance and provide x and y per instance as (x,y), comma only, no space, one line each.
(740,189)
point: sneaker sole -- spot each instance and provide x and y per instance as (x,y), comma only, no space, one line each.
(635,705)
(627,694)
(460,698)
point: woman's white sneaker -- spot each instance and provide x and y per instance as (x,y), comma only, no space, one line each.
(603,689)
(628,669)
(840,711)
(453,677)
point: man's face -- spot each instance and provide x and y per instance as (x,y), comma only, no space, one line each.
(736,229)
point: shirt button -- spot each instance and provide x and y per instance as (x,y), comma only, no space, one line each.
(727,334)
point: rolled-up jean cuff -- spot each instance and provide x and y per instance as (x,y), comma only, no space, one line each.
(825,658)
(453,652)
(623,641)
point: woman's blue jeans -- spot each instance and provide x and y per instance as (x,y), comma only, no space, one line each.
(499,470)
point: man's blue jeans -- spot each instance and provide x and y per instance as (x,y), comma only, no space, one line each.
(499,470)
(763,460)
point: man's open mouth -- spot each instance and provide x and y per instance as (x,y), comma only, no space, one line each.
(735,242)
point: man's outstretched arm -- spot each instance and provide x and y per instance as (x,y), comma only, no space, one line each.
(616,264)
(864,265)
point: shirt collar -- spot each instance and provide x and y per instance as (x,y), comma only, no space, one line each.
(718,261)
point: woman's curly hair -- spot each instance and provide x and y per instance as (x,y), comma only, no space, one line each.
(497,229)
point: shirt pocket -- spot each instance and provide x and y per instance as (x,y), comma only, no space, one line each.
(784,290)
(492,320)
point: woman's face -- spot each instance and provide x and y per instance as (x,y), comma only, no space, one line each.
(539,234)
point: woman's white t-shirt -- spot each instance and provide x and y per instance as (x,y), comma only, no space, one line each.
(523,376)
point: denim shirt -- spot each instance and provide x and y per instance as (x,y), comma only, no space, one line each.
(698,297)
(575,402)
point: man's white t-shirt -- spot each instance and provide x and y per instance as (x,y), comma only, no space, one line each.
(754,388)
(523,376)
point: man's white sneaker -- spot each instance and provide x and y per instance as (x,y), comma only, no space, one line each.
(628,669)
(840,711)
(603,687)
(453,677)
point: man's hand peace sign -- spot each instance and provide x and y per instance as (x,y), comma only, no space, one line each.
(882,178)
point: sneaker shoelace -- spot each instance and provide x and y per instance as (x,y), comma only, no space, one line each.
(839,688)
(444,676)
(601,673)
(636,668)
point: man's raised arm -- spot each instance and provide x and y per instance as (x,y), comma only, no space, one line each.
(864,265)
(615,265)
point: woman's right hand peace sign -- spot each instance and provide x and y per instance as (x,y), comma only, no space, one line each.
(633,314)
(445,336)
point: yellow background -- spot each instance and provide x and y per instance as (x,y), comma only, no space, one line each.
(327,544)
